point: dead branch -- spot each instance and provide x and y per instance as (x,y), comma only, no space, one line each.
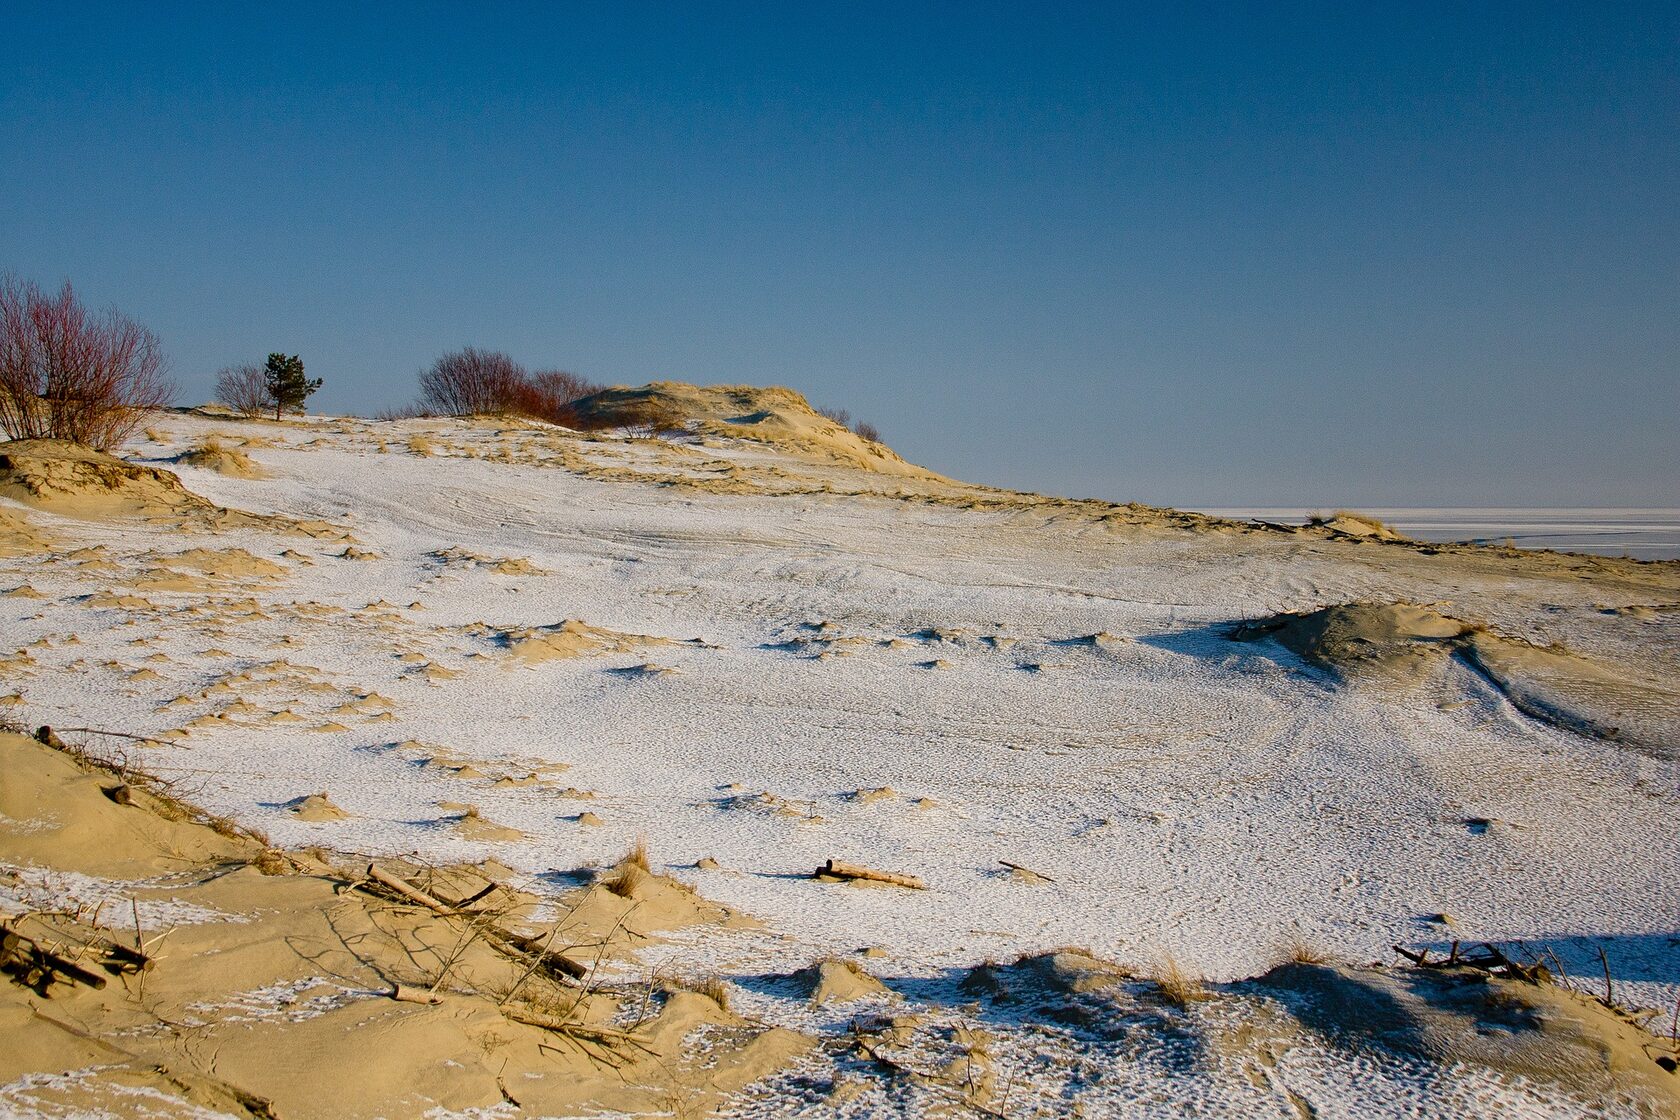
(835,869)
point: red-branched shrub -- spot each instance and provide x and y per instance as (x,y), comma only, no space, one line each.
(548,395)
(69,374)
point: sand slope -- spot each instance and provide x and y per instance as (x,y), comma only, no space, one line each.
(269,987)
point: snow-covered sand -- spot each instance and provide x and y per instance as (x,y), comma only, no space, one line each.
(913,685)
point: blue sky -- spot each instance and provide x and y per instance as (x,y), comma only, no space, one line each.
(1337,254)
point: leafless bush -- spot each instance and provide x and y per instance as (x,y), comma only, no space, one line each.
(549,396)
(839,415)
(244,388)
(68,374)
(470,382)
(868,432)
(648,418)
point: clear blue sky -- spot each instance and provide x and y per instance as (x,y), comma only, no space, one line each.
(1338,254)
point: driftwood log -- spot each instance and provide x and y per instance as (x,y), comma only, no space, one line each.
(835,869)
(36,966)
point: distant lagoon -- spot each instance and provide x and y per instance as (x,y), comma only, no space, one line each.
(1643,534)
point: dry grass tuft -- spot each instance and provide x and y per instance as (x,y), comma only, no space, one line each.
(420,445)
(626,880)
(1177,986)
(1301,952)
(271,862)
(712,987)
(636,855)
(157,435)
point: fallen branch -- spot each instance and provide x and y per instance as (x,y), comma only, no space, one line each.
(835,869)
(560,966)
(411,893)
(35,965)
(1491,961)
(1026,870)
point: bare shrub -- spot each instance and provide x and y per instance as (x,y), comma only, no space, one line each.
(551,393)
(69,374)
(470,382)
(648,418)
(868,432)
(244,388)
(839,415)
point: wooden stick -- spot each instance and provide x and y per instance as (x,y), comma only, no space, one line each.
(402,993)
(856,871)
(1028,870)
(411,893)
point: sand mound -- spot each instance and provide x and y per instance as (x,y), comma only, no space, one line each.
(315,807)
(839,981)
(776,416)
(1352,637)
(76,481)
(1578,694)
(1347,523)
(67,478)
(471,825)
(1566,689)
(1536,1031)
(570,639)
(213,455)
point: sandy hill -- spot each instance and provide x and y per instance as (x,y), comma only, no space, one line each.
(780,418)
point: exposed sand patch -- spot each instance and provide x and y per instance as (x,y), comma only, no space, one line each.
(502,566)
(564,641)
(21,537)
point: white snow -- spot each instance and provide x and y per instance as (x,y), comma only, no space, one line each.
(1189,796)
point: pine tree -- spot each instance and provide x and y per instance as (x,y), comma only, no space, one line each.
(287,387)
